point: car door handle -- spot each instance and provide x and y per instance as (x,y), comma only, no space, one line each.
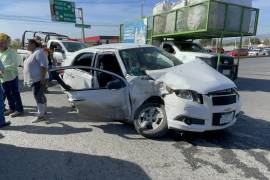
(76,99)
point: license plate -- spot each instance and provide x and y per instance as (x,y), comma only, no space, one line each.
(226,118)
(226,72)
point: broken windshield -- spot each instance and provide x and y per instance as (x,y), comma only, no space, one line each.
(138,60)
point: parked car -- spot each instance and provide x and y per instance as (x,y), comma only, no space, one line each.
(255,52)
(266,52)
(150,88)
(234,53)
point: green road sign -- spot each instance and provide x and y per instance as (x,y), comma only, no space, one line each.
(63,11)
(83,25)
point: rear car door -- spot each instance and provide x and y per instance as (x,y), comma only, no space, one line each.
(96,103)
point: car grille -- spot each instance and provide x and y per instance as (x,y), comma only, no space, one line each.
(224,97)
(224,100)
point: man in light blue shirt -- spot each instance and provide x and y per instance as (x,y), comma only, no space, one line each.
(3,122)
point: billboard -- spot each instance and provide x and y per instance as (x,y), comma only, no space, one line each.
(135,32)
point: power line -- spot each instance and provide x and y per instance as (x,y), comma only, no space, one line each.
(43,20)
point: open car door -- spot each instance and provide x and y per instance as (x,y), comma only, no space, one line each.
(95,102)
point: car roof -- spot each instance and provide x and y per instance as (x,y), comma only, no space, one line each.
(119,46)
(111,47)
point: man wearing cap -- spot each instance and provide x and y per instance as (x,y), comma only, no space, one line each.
(35,75)
(3,122)
(9,78)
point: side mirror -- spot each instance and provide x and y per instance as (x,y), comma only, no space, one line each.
(115,84)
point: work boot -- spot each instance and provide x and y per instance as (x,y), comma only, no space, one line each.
(8,112)
(16,114)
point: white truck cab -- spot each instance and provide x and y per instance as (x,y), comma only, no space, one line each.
(188,51)
(63,49)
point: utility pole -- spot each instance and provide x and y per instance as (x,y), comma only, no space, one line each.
(81,17)
(142,7)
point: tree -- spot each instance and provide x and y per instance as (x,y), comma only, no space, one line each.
(252,41)
(16,43)
(266,42)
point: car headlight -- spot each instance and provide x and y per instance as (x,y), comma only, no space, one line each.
(190,95)
(184,94)
(237,94)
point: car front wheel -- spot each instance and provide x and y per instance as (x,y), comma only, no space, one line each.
(151,120)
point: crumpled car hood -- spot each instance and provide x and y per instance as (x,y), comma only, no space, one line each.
(195,75)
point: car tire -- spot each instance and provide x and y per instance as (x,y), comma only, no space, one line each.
(151,121)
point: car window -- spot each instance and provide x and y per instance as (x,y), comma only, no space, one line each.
(107,62)
(74,46)
(189,47)
(138,60)
(55,45)
(168,48)
(84,59)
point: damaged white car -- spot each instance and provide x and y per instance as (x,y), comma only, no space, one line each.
(150,88)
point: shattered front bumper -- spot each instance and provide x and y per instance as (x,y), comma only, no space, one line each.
(190,116)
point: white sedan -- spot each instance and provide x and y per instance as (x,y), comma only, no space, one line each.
(150,88)
(257,52)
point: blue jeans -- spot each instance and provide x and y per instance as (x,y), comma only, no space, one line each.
(11,89)
(2,115)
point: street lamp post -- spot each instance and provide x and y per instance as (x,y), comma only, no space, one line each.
(81,17)
(142,7)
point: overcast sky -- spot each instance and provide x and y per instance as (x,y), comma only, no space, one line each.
(98,12)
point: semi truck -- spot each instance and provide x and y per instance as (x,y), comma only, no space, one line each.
(177,30)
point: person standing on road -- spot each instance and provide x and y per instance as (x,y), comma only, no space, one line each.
(3,122)
(35,75)
(9,79)
(51,64)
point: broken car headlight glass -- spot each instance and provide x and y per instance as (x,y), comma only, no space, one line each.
(184,94)
(190,95)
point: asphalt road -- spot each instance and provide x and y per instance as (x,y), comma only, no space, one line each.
(66,147)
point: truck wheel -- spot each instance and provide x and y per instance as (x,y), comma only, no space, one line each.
(151,120)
